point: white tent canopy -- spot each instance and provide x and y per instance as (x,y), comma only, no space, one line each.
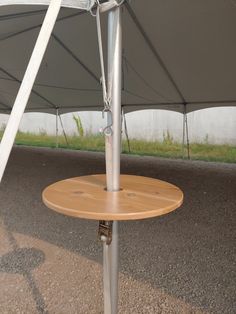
(176,54)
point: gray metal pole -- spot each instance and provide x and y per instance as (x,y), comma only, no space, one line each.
(114,24)
(57,142)
(114,267)
(106,278)
(183,139)
(63,130)
(113,149)
(187,135)
(126,132)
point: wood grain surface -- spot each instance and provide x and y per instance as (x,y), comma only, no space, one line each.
(86,197)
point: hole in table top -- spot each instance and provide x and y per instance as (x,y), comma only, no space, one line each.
(105,189)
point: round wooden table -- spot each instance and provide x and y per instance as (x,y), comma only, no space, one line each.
(86,197)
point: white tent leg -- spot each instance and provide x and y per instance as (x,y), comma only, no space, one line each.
(113,147)
(27,84)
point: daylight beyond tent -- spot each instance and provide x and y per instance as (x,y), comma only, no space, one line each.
(177,55)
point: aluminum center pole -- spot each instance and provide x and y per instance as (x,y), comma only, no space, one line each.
(113,149)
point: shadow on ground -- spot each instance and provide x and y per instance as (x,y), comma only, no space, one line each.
(23,261)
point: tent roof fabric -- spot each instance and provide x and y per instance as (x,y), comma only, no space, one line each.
(75,4)
(177,55)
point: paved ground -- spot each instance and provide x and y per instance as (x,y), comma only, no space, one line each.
(184,262)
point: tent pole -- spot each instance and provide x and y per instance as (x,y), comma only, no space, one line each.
(183,138)
(63,130)
(126,132)
(114,26)
(113,148)
(57,142)
(187,135)
(27,84)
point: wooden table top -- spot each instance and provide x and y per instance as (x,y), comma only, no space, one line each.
(86,197)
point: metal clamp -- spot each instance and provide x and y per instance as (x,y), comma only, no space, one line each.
(105,231)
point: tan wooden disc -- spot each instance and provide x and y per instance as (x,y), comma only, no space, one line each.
(86,197)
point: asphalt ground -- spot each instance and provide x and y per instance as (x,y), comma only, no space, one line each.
(183,262)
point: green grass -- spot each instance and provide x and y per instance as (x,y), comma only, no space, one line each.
(93,143)
(167,148)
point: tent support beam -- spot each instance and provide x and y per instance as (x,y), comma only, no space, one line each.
(70,52)
(153,49)
(27,84)
(5,106)
(52,105)
(21,14)
(39,25)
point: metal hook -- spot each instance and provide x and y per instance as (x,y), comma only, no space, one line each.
(107,131)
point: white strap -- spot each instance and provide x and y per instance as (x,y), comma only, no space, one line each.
(106,99)
(106,91)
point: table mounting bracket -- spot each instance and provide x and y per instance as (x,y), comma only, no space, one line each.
(105,231)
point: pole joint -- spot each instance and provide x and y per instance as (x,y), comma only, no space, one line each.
(105,231)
